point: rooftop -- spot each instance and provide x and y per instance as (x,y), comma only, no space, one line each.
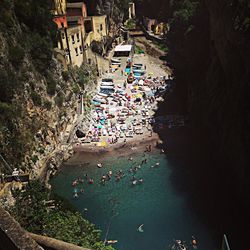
(75,5)
(123,48)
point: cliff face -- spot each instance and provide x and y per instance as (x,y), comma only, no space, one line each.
(218,91)
(209,50)
(38,98)
(228,76)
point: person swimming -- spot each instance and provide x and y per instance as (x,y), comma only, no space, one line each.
(134,182)
(91,181)
(140,180)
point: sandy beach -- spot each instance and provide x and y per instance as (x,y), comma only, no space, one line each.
(125,118)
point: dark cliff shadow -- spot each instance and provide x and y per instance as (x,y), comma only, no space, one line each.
(197,175)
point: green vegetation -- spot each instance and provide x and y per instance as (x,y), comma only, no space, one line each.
(130,24)
(161,46)
(59,99)
(36,213)
(65,76)
(40,51)
(51,85)
(26,31)
(47,104)
(138,50)
(34,158)
(85,75)
(36,98)
(16,55)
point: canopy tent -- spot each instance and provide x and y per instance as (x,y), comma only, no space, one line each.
(123,50)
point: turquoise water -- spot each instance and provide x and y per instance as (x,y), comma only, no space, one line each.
(118,208)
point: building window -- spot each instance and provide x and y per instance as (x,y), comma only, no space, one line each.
(63,36)
(77,37)
(80,49)
(73,39)
(76,49)
(89,60)
(100,27)
(62,24)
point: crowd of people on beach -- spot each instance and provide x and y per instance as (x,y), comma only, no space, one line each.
(124,111)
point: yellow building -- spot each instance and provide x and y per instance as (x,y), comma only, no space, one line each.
(58,7)
(99,24)
(71,42)
(95,30)
(161,29)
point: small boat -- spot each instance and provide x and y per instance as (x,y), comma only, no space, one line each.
(118,64)
(99,165)
(178,245)
(107,84)
(138,65)
(134,182)
(112,241)
(115,60)
(139,71)
(140,229)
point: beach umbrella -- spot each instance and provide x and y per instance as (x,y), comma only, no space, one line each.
(141,82)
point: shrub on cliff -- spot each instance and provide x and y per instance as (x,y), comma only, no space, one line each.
(36,98)
(51,85)
(40,51)
(16,55)
(35,214)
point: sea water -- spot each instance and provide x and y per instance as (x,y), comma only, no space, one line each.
(119,208)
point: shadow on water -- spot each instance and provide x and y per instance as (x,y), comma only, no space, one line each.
(197,175)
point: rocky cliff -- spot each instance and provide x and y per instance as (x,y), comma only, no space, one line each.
(209,51)
(38,98)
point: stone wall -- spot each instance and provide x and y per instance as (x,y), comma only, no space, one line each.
(12,236)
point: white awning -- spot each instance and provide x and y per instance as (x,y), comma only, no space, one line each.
(121,48)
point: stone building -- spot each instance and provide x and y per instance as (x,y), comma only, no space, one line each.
(149,24)
(152,25)
(76,32)
(58,7)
